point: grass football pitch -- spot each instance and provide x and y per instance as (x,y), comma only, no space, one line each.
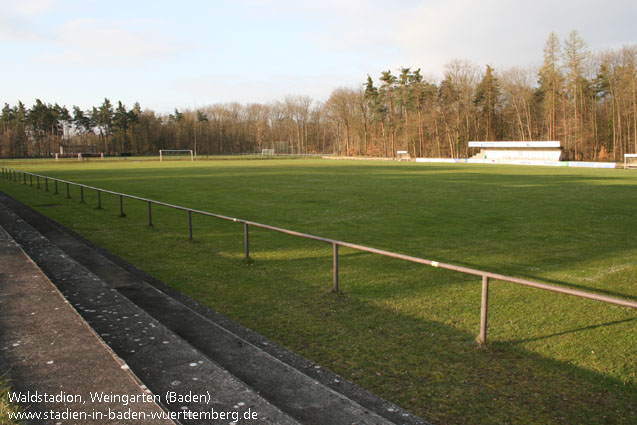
(407,332)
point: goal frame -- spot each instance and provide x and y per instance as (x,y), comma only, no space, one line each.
(403,156)
(630,164)
(161,151)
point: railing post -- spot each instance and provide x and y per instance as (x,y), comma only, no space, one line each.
(68,191)
(482,339)
(121,206)
(246,241)
(81,194)
(31,180)
(150,215)
(56,187)
(190,224)
(99,199)
(46,184)
(335,265)
(38,180)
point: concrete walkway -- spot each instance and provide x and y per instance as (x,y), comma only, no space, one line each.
(52,353)
(192,388)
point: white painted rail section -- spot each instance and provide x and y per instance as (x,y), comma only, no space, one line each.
(515,144)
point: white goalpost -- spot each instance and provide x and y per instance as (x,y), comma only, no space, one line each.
(630,160)
(403,156)
(267,152)
(175,152)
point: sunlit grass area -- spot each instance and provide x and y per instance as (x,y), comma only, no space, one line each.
(404,331)
(6,406)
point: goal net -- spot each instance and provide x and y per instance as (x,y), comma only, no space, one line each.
(183,154)
(267,152)
(630,160)
(403,156)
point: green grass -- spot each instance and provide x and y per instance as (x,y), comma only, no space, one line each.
(5,405)
(404,331)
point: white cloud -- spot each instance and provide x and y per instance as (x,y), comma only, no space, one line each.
(429,33)
(17,16)
(344,40)
(110,43)
(212,89)
(31,7)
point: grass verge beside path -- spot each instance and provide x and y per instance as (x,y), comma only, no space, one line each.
(404,331)
(5,404)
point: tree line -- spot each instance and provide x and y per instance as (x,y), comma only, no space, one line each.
(586,100)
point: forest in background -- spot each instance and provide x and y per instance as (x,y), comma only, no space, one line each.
(587,100)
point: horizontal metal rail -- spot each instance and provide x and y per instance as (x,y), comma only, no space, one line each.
(19,176)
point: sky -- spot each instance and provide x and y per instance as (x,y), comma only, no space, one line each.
(188,53)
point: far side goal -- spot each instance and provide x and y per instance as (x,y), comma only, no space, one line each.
(186,154)
(630,160)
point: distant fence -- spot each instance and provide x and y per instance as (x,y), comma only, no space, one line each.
(21,177)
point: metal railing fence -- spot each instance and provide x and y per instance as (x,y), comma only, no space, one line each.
(21,177)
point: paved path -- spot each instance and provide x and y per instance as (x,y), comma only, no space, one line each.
(49,349)
(194,389)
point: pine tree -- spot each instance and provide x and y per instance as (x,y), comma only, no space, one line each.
(575,53)
(387,94)
(487,99)
(550,83)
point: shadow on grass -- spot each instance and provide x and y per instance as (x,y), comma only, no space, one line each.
(585,328)
(432,369)
(436,370)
